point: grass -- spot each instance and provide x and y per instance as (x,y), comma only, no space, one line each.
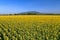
(30,27)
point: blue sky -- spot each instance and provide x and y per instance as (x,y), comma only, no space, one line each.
(16,6)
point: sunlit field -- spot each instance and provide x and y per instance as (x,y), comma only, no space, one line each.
(30,27)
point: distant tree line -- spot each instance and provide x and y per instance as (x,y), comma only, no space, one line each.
(33,13)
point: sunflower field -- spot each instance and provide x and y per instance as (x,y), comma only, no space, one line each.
(30,27)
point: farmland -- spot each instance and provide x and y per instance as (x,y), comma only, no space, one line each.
(32,27)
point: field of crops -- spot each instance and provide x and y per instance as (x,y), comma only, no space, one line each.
(32,27)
